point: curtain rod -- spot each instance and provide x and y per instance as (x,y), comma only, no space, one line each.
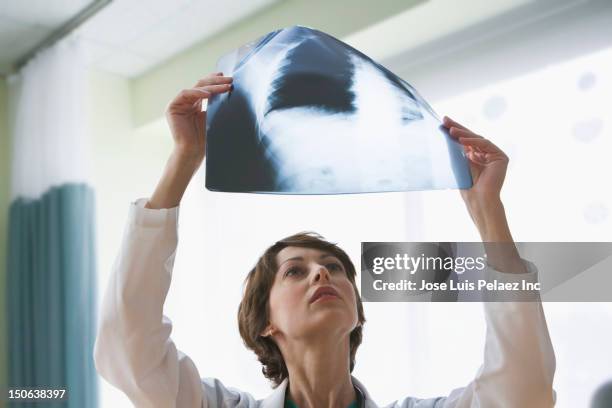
(63,31)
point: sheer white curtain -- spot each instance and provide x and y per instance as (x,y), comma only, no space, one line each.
(51,275)
(48,111)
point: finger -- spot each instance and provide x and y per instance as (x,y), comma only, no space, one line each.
(204,91)
(448,123)
(457,132)
(191,95)
(202,116)
(480,143)
(478,158)
(214,80)
(214,89)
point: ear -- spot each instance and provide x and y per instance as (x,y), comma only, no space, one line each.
(268,331)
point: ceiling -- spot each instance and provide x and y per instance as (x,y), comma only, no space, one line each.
(126,37)
(129,37)
(23,24)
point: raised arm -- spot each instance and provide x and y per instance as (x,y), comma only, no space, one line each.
(187,123)
(133,350)
(488,165)
(519,361)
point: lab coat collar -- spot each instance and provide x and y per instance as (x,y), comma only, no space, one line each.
(277,398)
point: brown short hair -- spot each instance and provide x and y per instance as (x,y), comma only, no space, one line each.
(253,313)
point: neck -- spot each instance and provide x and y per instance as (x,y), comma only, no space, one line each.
(319,372)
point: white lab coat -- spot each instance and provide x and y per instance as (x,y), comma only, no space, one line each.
(134,351)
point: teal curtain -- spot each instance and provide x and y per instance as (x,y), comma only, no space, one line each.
(52,294)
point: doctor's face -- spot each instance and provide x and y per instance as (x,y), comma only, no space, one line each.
(311,296)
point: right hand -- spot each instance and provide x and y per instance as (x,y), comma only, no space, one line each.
(187,121)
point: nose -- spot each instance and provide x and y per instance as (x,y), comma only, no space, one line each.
(321,274)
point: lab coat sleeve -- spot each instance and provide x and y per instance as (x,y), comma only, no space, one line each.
(519,361)
(133,349)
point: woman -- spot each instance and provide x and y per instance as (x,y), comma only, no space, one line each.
(301,312)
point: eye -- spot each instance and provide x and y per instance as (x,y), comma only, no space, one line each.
(294,271)
(334,266)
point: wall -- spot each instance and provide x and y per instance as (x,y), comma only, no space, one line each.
(152,90)
(125,162)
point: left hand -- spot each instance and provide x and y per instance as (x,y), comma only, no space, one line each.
(488,164)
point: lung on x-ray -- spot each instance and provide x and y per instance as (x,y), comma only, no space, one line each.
(311,115)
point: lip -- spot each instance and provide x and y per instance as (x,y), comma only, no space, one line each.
(324,292)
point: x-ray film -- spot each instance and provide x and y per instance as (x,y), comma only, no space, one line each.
(311,115)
